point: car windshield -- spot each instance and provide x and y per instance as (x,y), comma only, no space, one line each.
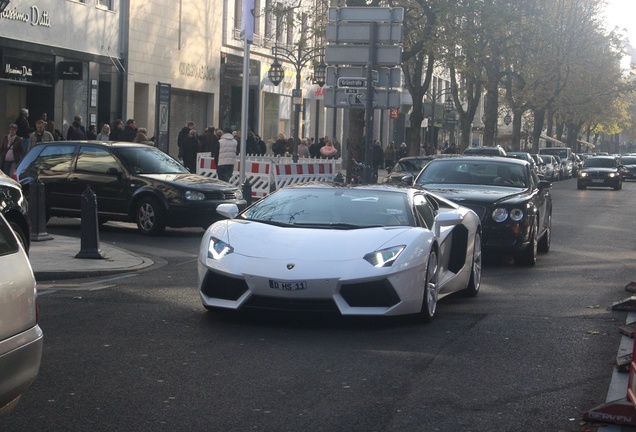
(628,160)
(600,163)
(561,152)
(332,208)
(410,165)
(486,172)
(546,159)
(149,160)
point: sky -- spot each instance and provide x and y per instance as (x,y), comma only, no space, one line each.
(622,14)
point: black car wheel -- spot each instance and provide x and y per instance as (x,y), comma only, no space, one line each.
(429,302)
(150,216)
(528,256)
(581,186)
(475,272)
(546,239)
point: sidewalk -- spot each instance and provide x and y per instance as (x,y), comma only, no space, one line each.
(55,259)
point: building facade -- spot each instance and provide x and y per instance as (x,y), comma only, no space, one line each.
(60,58)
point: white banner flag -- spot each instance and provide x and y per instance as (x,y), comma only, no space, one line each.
(247,23)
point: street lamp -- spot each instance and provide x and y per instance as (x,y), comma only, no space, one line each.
(4,4)
(299,60)
(448,107)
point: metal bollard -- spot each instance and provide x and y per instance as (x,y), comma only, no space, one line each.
(90,227)
(247,192)
(37,212)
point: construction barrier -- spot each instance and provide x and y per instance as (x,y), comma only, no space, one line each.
(623,410)
(268,174)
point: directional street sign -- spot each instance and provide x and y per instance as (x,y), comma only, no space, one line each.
(358,55)
(360,32)
(383,77)
(345,98)
(366,13)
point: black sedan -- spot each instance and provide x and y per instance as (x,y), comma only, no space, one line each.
(601,171)
(629,164)
(132,182)
(514,206)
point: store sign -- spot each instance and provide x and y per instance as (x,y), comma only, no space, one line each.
(197,71)
(33,16)
(18,72)
(70,70)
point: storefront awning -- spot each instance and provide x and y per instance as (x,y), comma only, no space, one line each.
(553,140)
(586,144)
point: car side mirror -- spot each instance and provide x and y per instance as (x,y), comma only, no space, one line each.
(544,184)
(407,179)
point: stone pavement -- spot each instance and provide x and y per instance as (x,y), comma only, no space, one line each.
(56,259)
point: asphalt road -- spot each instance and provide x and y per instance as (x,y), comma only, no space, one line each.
(530,353)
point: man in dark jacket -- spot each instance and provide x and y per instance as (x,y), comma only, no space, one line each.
(183,135)
(130,131)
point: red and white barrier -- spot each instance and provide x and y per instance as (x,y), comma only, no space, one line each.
(292,173)
(258,173)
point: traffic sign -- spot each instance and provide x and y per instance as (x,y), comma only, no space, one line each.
(366,13)
(360,32)
(345,98)
(386,55)
(383,77)
(352,82)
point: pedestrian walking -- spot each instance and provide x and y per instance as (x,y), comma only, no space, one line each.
(40,135)
(104,135)
(227,155)
(189,150)
(130,131)
(389,155)
(11,150)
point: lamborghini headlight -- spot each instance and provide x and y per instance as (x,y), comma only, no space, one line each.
(384,257)
(217,249)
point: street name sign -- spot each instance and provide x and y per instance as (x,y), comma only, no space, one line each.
(352,82)
(383,77)
(345,98)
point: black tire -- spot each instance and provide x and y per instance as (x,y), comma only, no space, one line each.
(544,243)
(528,256)
(474,283)
(150,216)
(429,300)
(580,186)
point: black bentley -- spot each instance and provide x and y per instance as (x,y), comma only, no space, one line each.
(132,182)
(514,205)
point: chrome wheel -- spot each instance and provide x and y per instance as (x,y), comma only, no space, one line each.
(475,272)
(429,303)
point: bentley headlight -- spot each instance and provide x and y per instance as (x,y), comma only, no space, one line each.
(194,195)
(583,174)
(384,257)
(500,214)
(217,249)
(516,214)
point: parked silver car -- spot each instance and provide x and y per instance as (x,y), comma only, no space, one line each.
(21,338)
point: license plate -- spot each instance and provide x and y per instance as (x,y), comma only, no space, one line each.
(598,180)
(288,285)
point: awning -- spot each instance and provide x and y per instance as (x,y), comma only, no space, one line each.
(554,140)
(586,144)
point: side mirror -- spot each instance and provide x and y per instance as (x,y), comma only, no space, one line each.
(228,210)
(113,172)
(408,179)
(544,184)
(445,219)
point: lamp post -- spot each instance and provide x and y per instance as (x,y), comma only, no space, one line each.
(299,60)
(4,4)
(448,107)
